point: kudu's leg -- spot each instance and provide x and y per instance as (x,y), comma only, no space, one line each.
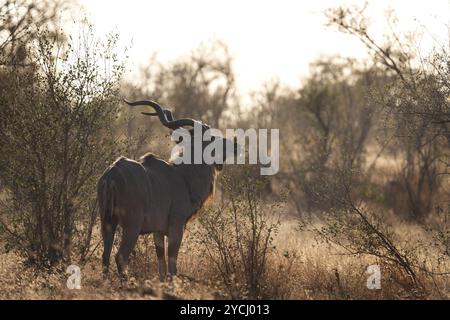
(108,231)
(175,237)
(160,247)
(130,235)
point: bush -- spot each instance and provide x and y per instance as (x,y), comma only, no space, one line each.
(56,138)
(237,236)
(356,230)
(414,104)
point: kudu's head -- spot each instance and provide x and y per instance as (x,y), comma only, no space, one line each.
(194,130)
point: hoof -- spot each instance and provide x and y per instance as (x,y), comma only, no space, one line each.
(105,274)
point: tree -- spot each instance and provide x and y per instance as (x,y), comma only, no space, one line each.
(56,138)
(326,126)
(199,86)
(415,103)
(19,23)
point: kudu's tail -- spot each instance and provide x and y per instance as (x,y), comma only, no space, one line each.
(105,194)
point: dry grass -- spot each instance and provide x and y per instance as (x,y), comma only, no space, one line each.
(301,268)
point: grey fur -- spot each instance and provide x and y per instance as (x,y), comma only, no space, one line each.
(151,196)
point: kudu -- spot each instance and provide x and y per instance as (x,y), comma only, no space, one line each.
(154,196)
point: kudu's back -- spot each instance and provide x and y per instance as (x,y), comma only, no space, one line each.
(133,195)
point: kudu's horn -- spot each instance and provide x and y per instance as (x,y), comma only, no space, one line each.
(164,115)
(167,112)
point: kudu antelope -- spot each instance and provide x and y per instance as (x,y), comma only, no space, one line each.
(154,196)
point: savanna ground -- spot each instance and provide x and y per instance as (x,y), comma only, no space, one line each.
(313,271)
(363,180)
(300,265)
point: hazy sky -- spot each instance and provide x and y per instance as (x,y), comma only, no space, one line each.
(267,38)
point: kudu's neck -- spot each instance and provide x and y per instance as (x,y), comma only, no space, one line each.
(200,181)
